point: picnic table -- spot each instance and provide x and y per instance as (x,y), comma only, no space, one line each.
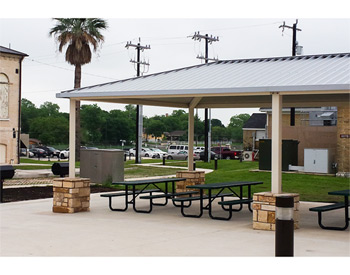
(145,188)
(334,206)
(221,193)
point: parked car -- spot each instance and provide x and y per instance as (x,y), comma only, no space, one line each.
(158,153)
(212,155)
(23,152)
(226,152)
(64,154)
(50,151)
(145,152)
(174,149)
(38,152)
(182,155)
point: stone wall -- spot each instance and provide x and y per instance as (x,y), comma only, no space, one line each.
(343,139)
(71,195)
(192,178)
(264,206)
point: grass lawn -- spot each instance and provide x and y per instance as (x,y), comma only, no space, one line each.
(43,162)
(310,187)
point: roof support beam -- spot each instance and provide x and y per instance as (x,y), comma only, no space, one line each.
(276,144)
(72,138)
(190,137)
(194,102)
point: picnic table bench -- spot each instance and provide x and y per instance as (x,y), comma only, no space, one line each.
(334,206)
(144,188)
(220,194)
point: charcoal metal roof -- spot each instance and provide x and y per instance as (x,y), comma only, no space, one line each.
(10,51)
(256,121)
(216,83)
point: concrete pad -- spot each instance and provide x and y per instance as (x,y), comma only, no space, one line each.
(30,228)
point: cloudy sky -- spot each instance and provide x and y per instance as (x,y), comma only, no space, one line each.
(46,73)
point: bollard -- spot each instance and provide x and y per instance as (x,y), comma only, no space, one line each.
(124,157)
(284,232)
(216,163)
(194,166)
(1,191)
(163,160)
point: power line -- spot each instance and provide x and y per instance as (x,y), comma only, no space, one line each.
(207,129)
(244,27)
(139,116)
(71,70)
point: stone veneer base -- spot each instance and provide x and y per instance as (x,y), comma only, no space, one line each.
(264,205)
(71,195)
(192,178)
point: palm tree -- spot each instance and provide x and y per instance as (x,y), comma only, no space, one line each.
(78,34)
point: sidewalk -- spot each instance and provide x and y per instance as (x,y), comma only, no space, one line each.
(30,228)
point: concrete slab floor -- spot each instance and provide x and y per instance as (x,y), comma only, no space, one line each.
(30,228)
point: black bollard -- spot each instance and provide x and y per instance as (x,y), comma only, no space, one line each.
(216,163)
(124,157)
(284,232)
(1,191)
(163,159)
(194,166)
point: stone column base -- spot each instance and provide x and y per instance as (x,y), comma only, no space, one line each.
(192,178)
(71,195)
(264,205)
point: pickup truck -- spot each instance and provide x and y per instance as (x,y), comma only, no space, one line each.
(226,152)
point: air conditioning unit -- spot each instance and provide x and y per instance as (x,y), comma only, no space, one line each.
(248,155)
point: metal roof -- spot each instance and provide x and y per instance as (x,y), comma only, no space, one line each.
(217,82)
(10,51)
(256,121)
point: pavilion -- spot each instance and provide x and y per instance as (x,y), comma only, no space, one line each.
(292,81)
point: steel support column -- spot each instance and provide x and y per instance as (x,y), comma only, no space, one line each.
(276,144)
(72,138)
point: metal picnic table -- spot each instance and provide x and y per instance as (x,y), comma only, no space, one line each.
(221,187)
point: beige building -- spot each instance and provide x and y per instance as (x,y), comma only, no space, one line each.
(318,128)
(10,104)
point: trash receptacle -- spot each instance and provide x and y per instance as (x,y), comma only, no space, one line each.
(60,168)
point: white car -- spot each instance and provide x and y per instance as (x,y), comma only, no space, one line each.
(145,152)
(158,153)
(64,154)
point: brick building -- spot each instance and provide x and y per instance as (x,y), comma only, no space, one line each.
(323,127)
(10,104)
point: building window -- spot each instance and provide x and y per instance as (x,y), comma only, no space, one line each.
(4,96)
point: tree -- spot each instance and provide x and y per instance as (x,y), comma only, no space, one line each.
(49,109)
(236,124)
(93,120)
(155,127)
(78,34)
(28,112)
(50,130)
(216,122)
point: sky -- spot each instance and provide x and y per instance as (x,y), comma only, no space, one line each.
(241,35)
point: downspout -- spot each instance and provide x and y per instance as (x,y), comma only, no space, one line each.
(19,111)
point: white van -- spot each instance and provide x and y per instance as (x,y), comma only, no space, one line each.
(174,149)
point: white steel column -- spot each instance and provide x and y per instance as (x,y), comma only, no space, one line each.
(276,144)
(191,107)
(190,137)
(72,139)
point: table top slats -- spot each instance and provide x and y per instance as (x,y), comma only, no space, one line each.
(340,193)
(150,181)
(224,184)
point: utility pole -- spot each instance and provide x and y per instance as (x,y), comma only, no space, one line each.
(294,51)
(207,127)
(139,116)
